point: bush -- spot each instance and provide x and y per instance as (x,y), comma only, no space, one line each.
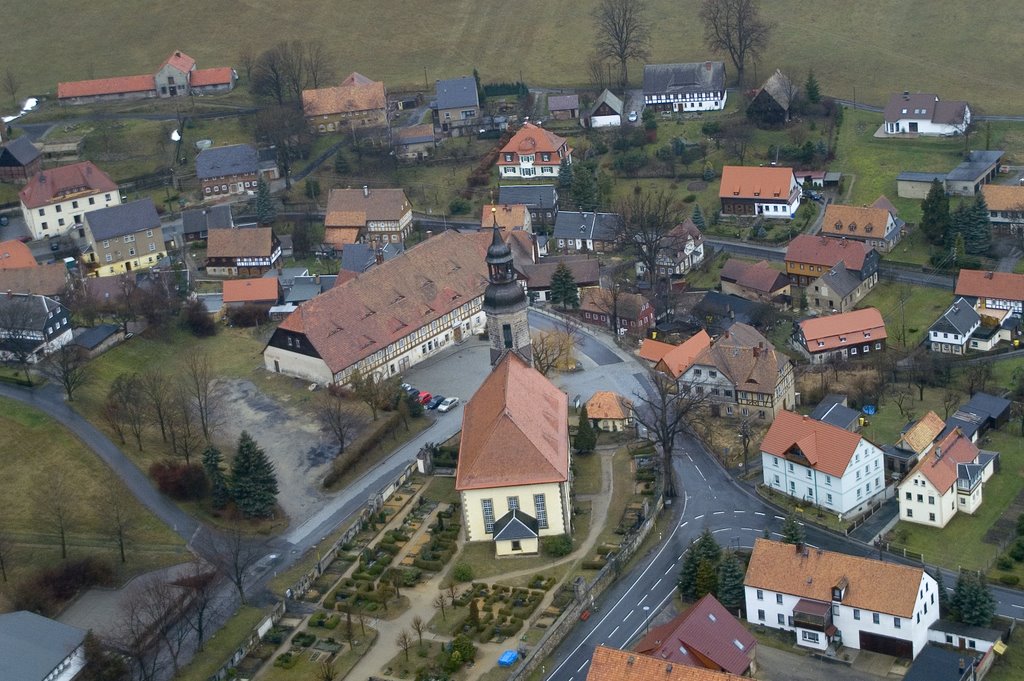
(458,206)
(304,639)
(1004,562)
(557,546)
(462,573)
(249,315)
(45,591)
(196,319)
(180,481)
(1017,552)
(1009,580)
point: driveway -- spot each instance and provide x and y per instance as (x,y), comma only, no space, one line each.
(778,664)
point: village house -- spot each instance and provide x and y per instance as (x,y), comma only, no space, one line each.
(948,479)
(19,160)
(388,318)
(242,251)
(821,464)
(609,664)
(32,326)
(358,258)
(358,104)
(456,107)
(916,438)
(20,273)
(682,250)
(197,223)
(234,169)
(1005,207)
(540,199)
(808,257)
(951,332)
(825,597)
(359,214)
(981,412)
(414,142)
(847,335)
(837,290)
(176,76)
(586,232)
(771,103)
(992,293)
(674,360)
(834,410)
(756,281)
(532,152)
(685,87)
(767,191)
(610,412)
(564,107)
(925,114)
(536,276)
(632,312)
(506,217)
(124,238)
(265,291)
(54,201)
(606,111)
(739,375)
(876,227)
(706,636)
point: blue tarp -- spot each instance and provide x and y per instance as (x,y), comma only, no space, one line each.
(508,658)
(869,409)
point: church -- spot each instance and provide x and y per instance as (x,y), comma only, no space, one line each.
(513,474)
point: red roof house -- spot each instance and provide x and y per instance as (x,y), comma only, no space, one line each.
(533,152)
(848,335)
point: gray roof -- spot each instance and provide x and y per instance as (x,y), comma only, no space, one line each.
(960,318)
(563,102)
(515,525)
(841,280)
(33,646)
(833,410)
(975,165)
(991,406)
(921,106)
(214,217)
(128,218)
(21,150)
(360,257)
(237,159)
(457,92)
(966,630)
(531,195)
(939,664)
(90,339)
(911,176)
(684,78)
(301,292)
(286,275)
(573,224)
(609,98)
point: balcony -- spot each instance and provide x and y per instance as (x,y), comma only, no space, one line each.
(812,615)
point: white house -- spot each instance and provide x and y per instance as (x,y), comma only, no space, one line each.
(825,598)
(925,114)
(948,479)
(771,192)
(54,201)
(951,331)
(533,152)
(685,87)
(821,464)
(513,470)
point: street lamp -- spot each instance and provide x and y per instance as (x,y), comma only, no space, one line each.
(647,621)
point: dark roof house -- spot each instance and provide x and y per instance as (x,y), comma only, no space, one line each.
(196,224)
(834,411)
(455,93)
(572,224)
(684,79)
(34,648)
(235,159)
(117,221)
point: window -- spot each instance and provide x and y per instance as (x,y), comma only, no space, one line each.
(713,374)
(513,503)
(109,258)
(920,498)
(778,598)
(809,636)
(931,500)
(506,332)
(875,618)
(828,498)
(149,233)
(517,546)
(782,619)
(697,372)
(42,211)
(106,243)
(488,509)
(760,615)
(106,197)
(896,622)
(540,511)
(74,204)
(92,200)
(131,251)
(878,346)
(58,208)
(760,594)
(775,461)
(931,517)
(909,495)
(856,614)
(152,247)
(808,472)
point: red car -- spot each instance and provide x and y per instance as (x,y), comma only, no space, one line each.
(425,397)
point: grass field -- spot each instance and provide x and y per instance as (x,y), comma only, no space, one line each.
(36,447)
(920,308)
(894,46)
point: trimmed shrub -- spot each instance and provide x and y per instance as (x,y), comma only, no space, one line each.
(1017,552)
(1004,562)
(1009,580)
(462,573)
(557,546)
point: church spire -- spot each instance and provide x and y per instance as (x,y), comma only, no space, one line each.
(505,303)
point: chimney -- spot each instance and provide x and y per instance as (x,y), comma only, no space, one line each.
(378,255)
(366,190)
(906,95)
(630,660)
(988,275)
(757,352)
(806,417)
(961,666)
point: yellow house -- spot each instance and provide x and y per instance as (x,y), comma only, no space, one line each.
(124,238)
(610,411)
(513,471)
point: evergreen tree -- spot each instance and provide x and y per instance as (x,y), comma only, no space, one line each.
(944,604)
(474,614)
(959,249)
(935,214)
(265,212)
(698,217)
(792,531)
(583,192)
(972,602)
(341,164)
(978,235)
(312,188)
(707,547)
(707,579)
(586,435)
(730,582)
(253,480)
(220,495)
(688,575)
(564,174)
(564,291)
(812,91)
(959,223)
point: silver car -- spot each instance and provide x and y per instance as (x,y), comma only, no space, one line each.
(448,404)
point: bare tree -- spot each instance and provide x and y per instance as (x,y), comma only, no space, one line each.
(737,137)
(22,321)
(623,33)
(976,376)
(318,62)
(736,28)
(134,634)
(126,393)
(1018,412)
(200,581)
(338,419)
(950,400)
(556,348)
(284,127)
(418,625)
(183,424)
(55,506)
(664,412)
(247,60)
(647,219)
(233,555)
(68,365)
(156,388)
(121,307)
(270,74)
(439,602)
(900,395)
(404,641)
(11,85)
(201,386)
(375,391)
(119,520)
(598,69)
(327,671)
(112,416)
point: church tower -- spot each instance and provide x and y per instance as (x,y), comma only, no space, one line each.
(505,305)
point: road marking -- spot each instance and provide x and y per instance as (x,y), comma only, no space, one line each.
(583,665)
(718,513)
(613,632)
(1014,605)
(758,513)
(669,569)
(699,517)
(779,517)
(738,511)
(776,534)
(684,523)
(700,473)
(640,602)
(724,529)
(652,613)
(748,529)
(656,583)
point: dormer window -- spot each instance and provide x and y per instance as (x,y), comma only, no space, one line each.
(757,193)
(838,226)
(867,334)
(842,339)
(853,227)
(869,228)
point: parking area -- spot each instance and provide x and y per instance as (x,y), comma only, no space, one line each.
(778,664)
(455,372)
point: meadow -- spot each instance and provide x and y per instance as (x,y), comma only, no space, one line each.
(864,50)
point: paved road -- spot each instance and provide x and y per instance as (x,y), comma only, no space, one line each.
(589,345)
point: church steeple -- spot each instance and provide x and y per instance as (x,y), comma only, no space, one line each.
(505,303)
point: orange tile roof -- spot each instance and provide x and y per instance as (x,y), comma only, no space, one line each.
(1004,197)
(221,75)
(515,430)
(341,236)
(654,350)
(180,61)
(680,358)
(44,280)
(531,139)
(105,86)
(747,358)
(826,448)
(14,254)
(356,93)
(940,464)
(855,327)
(64,182)
(608,664)
(919,436)
(748,182)
(263,289)
(354,207)
(606,404)
(872,584)
(980,284)
(858,222)
(240,242)
(358,317)
(507,216)
(826,252)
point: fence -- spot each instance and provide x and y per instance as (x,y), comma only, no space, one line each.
(585,597)
(373,506)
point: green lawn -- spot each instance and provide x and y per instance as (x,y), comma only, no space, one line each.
(1009,666)
(222,644)
(36,449)
(920,307)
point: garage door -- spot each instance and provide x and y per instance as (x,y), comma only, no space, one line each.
(886,645)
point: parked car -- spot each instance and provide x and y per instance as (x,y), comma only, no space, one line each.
(425,397)
(410,390)
(448,404)
(436,402)
(633,117)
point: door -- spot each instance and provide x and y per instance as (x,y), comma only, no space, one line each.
(277,367)
(886,645)
(128,267)
(913,127)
